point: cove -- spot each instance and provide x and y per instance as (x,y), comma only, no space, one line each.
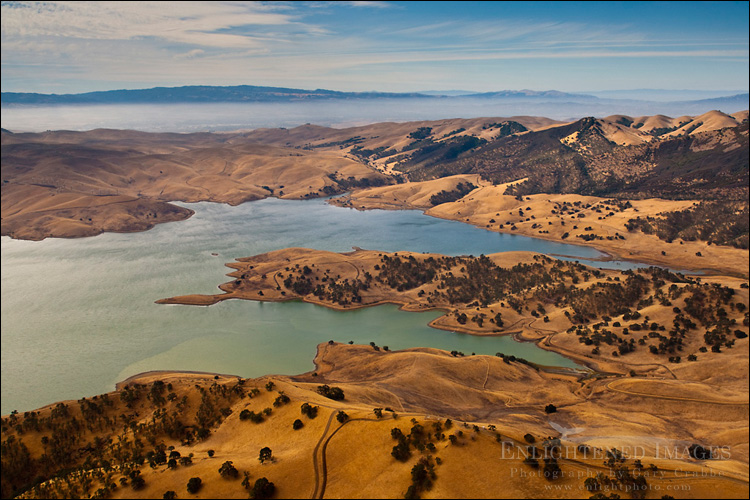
(78,315)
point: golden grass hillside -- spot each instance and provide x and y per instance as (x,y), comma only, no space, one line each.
(407,196)
(389,138)
(570,218)
(67,184)
(472,429)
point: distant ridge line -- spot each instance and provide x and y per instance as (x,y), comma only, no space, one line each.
(197,93)
(254,93)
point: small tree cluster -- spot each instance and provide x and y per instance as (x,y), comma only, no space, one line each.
(263,488)
(335,393)
(265,455)
(251,415)
(422,477)
(194,485)
(228,470)
(281,400)
(309,410)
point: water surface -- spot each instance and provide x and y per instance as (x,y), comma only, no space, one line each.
(79,315)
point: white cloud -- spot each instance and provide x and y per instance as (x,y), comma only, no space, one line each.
(190,55)
(193,23)
(296,43)
(361,3)
(370,4)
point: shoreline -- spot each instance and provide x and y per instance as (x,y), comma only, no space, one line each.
(516,335)
(234,290)
(481,206)
(256,278)
(319,371)
(163,373)
(611,254)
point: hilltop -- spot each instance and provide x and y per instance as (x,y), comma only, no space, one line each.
(614,156)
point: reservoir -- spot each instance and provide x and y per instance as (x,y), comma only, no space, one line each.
(78,315)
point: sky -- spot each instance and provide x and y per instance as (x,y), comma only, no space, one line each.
(74,47)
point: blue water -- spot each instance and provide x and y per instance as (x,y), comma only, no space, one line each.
(79,315)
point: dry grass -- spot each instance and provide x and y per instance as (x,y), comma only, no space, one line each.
(66,184)
(476,390)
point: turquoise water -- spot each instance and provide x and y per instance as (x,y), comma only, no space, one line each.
(78,315)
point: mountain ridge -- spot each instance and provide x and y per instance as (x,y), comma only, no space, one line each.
(195,93)
(255,93)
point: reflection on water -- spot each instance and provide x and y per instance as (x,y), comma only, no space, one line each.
(79,314)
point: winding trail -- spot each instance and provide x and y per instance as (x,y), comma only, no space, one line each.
(672,398)
(316,468)
(321,473)
(486,376)
(355,268)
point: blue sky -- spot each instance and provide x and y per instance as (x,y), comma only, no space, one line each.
(70,47)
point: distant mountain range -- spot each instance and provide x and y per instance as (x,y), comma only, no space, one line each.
(739,101)
(252,93)
(196,93)
(531,94)
(663,95)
